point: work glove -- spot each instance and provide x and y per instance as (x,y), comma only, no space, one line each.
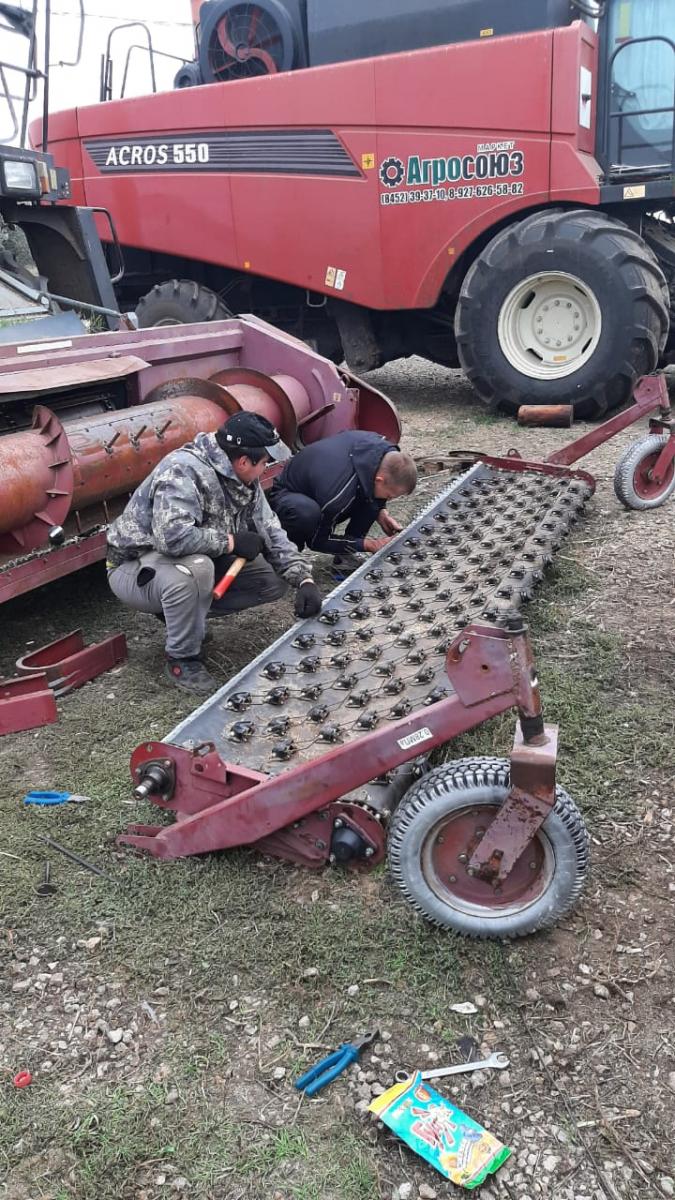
(307,600)
(247,544)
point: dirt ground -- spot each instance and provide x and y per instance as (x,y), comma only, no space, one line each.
(164,1009)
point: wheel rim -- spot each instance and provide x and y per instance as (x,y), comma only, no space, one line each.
(167,321)
(458,834)
(549,325)
(646,487)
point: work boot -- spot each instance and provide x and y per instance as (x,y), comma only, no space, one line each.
(344,564)
(191,675)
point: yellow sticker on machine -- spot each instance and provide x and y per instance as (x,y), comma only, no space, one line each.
(636,191)
(624,20)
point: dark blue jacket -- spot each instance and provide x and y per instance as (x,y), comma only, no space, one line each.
(339,474)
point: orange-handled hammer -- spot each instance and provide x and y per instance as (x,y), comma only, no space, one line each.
(228,578)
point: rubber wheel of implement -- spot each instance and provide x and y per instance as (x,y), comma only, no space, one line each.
(626,301)
(632,484)
(437,819)
(179,302)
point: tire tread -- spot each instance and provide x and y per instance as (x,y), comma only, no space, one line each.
(626,250)
(200,303)
(483,772)
(626,467)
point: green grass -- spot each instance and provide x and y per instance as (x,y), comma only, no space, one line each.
(192,926)
(133,1134)
(609,736)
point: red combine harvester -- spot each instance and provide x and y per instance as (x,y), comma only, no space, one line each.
(502,200)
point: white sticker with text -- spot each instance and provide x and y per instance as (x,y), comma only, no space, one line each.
(413,739)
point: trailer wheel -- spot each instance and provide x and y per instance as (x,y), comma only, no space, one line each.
(179,302)
(633,484)
(562,308)
(442,813)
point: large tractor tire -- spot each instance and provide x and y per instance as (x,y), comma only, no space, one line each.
(443,813)
(562,308)
(179,302)
(660,237)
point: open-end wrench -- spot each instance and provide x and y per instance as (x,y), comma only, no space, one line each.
(497,1062)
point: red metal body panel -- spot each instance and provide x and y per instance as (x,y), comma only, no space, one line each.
(26,704)
(442,103)
(68,664)
(52,564)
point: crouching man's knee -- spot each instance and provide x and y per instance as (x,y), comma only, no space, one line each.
(199,570)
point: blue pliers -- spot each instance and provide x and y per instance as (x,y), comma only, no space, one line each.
(334,1064)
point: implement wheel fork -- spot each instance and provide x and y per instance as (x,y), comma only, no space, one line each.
(293,814)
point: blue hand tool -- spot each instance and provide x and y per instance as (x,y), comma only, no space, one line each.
(49,798)
(333,1065)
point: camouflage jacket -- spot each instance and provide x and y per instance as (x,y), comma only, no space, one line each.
(191,502)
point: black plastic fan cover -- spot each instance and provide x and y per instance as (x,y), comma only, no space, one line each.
(242,40)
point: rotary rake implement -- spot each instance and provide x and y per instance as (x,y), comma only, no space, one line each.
(317,751)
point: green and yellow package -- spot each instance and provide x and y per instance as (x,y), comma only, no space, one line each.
(457,1146)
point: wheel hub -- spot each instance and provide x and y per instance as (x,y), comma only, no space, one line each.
(448,850)
(549,325)
(644,483)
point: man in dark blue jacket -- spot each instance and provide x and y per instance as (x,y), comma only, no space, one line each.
(345,478)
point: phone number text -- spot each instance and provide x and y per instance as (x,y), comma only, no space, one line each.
(476,191)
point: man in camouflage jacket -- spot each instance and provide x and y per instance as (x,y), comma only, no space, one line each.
(199,509)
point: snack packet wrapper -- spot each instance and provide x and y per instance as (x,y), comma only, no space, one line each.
(457,1146)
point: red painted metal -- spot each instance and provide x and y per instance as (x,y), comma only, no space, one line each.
(26,704)
(651,393)
(36,483)
(528,804)
(43,380)
(554,416)
(197,352)
(658,469)
(39,569)
(68,664)
(268,396)
(307,842)
(453,843)
(514,462)
(394,255)
(211,816)
(94,458)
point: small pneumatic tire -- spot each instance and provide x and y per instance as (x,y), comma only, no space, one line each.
(450,808)
(632,484)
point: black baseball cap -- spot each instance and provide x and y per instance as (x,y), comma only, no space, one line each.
(251,432)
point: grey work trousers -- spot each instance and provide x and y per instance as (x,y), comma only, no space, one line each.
(182,589)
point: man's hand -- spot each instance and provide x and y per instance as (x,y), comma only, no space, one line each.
(372,545)
(388,523)
(247,544)
(307,599)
